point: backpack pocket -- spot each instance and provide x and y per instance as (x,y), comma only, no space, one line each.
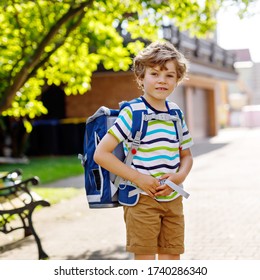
(124,194)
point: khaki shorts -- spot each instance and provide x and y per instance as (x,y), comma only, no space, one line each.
(155,227)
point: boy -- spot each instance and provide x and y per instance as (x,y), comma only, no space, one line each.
(155,225)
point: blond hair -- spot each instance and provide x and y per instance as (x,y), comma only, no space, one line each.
(158,54)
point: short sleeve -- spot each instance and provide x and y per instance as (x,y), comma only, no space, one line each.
(121,129)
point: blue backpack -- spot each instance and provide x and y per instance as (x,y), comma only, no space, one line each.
(104,189)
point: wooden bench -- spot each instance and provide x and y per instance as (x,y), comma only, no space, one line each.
(17,200)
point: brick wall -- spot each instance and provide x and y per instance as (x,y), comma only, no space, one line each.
(108,89)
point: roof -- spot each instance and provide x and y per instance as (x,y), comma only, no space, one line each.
(241,55)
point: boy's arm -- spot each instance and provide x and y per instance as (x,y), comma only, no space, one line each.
(104,157)
(186,162)
(178,178)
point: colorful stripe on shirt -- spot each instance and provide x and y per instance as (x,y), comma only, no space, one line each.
(158,152)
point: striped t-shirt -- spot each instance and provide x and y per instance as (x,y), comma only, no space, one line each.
(158,152)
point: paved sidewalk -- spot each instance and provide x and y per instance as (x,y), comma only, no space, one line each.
(222,213)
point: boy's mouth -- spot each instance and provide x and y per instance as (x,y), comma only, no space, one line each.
(161,88)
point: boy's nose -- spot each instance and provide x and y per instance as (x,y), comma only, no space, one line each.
(162,79)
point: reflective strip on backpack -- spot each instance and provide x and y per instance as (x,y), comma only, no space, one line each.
(179,189)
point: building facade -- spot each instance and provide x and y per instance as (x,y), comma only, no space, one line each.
(202,96)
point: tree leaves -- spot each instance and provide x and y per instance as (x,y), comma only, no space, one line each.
(63,42)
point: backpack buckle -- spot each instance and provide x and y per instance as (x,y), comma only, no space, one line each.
(159,117)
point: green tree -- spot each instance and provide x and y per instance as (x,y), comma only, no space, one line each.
(62,42)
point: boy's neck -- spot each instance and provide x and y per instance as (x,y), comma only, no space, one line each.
(158,104)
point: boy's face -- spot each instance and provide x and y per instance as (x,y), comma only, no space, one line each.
(159,82)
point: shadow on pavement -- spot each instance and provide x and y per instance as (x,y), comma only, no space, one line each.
(206,146)
(117,253)
(16,244)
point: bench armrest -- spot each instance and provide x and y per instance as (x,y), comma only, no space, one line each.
(21,186)
(11,175)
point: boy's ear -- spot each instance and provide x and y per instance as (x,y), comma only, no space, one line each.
(140,82)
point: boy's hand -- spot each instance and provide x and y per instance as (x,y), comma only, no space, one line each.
(164,190)
(147,183)
(176,178)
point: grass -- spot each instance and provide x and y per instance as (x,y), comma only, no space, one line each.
(56,195)
(50,169)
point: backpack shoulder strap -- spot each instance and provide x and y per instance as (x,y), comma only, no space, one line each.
(139,128)
(139,124)
(175,110)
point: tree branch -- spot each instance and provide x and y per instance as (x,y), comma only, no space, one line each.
(57,45)
(21,77)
